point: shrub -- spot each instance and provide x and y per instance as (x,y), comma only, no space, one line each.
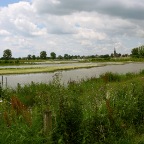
(68,122)
(110,77)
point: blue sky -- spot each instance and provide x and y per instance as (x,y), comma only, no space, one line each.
(6,2)
(75,27)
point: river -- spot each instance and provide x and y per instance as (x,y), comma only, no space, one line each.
(65,76)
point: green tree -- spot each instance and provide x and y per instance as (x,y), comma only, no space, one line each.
(138,52)
(141,51)
(53,55)
(135,52)
(7,54)
(60,57)
(43,54)
(66,56)
(29,57)
(33,57)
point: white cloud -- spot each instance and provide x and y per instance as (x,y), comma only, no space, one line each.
(90,34)
(76,27)
(4,32)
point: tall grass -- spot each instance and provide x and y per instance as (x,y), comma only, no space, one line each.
(105,110)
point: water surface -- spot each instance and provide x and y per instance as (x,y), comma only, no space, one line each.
(76,74)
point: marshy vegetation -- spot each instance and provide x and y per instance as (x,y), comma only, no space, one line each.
(104,110)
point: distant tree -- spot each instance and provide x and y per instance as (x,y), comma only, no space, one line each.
(29,57)
(66,56)
(135,52)
(37,57)
(33,57)
(7,54)
(104,56)
(60,57)
(43,54)
(119,55)
(53,55)
(92,56)
(141,51)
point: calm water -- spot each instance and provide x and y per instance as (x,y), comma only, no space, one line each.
(77,74)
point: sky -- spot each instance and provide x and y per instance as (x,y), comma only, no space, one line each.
(75,27)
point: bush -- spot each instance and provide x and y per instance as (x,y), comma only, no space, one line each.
(68,122)
(110,77)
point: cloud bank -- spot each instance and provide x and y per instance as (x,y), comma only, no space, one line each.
(78,27)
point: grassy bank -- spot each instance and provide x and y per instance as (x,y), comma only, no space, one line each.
(105,110)
(58,61)
(46,69)
(117,59)
(38,61)
(18,62)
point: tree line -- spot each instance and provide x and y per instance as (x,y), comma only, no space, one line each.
(137,52)
(7,55)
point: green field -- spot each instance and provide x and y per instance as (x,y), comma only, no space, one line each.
(104,110)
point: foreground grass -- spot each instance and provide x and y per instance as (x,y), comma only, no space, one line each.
(108,110)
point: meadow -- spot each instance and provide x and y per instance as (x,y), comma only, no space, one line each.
(104,110)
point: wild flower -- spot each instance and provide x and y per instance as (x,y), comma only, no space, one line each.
(21,109)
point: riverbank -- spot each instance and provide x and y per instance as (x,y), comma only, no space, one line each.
(108,109)
(21,62)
